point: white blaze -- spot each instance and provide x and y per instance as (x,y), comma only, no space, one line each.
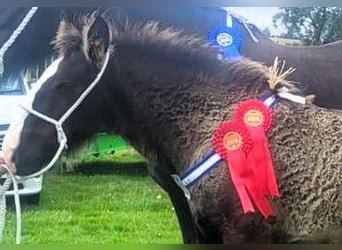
(12,136)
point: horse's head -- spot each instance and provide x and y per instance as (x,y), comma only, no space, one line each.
(81,52)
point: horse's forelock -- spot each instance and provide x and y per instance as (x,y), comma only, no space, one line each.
(68,38)
(69,35)
(72,35)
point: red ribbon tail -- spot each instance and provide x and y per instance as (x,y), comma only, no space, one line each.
(258,197)
(236,163)
(263,204)
(271,178)
(258,160)
(246,202)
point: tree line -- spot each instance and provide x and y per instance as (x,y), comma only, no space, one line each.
(311,25)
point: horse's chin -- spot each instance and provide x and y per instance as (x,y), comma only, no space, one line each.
(27,165)
(25,171)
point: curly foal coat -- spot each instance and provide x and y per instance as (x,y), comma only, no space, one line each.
(166,93)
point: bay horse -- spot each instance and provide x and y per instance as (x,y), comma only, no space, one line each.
(166,93)
(317,66)
(33,45)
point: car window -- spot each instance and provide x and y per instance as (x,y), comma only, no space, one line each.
(12,86)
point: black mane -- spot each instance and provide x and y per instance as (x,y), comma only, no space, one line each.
(143,36)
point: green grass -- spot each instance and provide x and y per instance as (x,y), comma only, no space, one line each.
(84,157)
(121,207)
(125,155)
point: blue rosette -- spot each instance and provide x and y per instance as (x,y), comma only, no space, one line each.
(227,40)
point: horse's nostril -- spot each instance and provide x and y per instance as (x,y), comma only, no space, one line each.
(13,158)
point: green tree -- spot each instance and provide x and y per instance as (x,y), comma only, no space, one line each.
(312,25)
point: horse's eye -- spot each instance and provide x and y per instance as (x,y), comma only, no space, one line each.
(64,83)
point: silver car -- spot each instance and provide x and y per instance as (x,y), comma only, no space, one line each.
(13,92)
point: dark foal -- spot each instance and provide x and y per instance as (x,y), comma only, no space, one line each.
(166,93)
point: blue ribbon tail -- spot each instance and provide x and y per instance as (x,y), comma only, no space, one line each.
(231,52)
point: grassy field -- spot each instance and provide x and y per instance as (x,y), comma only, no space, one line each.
(120,205)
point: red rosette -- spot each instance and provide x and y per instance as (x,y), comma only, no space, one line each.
(254,113)
(257,118)
(231,126)
(232,142)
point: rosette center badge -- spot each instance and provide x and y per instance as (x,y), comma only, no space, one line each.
(224,39)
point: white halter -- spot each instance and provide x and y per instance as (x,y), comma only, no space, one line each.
(62,140)
(61,137)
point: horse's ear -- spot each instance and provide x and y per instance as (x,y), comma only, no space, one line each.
(96,39)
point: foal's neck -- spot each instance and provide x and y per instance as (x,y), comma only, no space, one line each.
(159,109)
(170,109)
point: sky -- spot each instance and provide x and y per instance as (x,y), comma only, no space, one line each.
(260,16)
